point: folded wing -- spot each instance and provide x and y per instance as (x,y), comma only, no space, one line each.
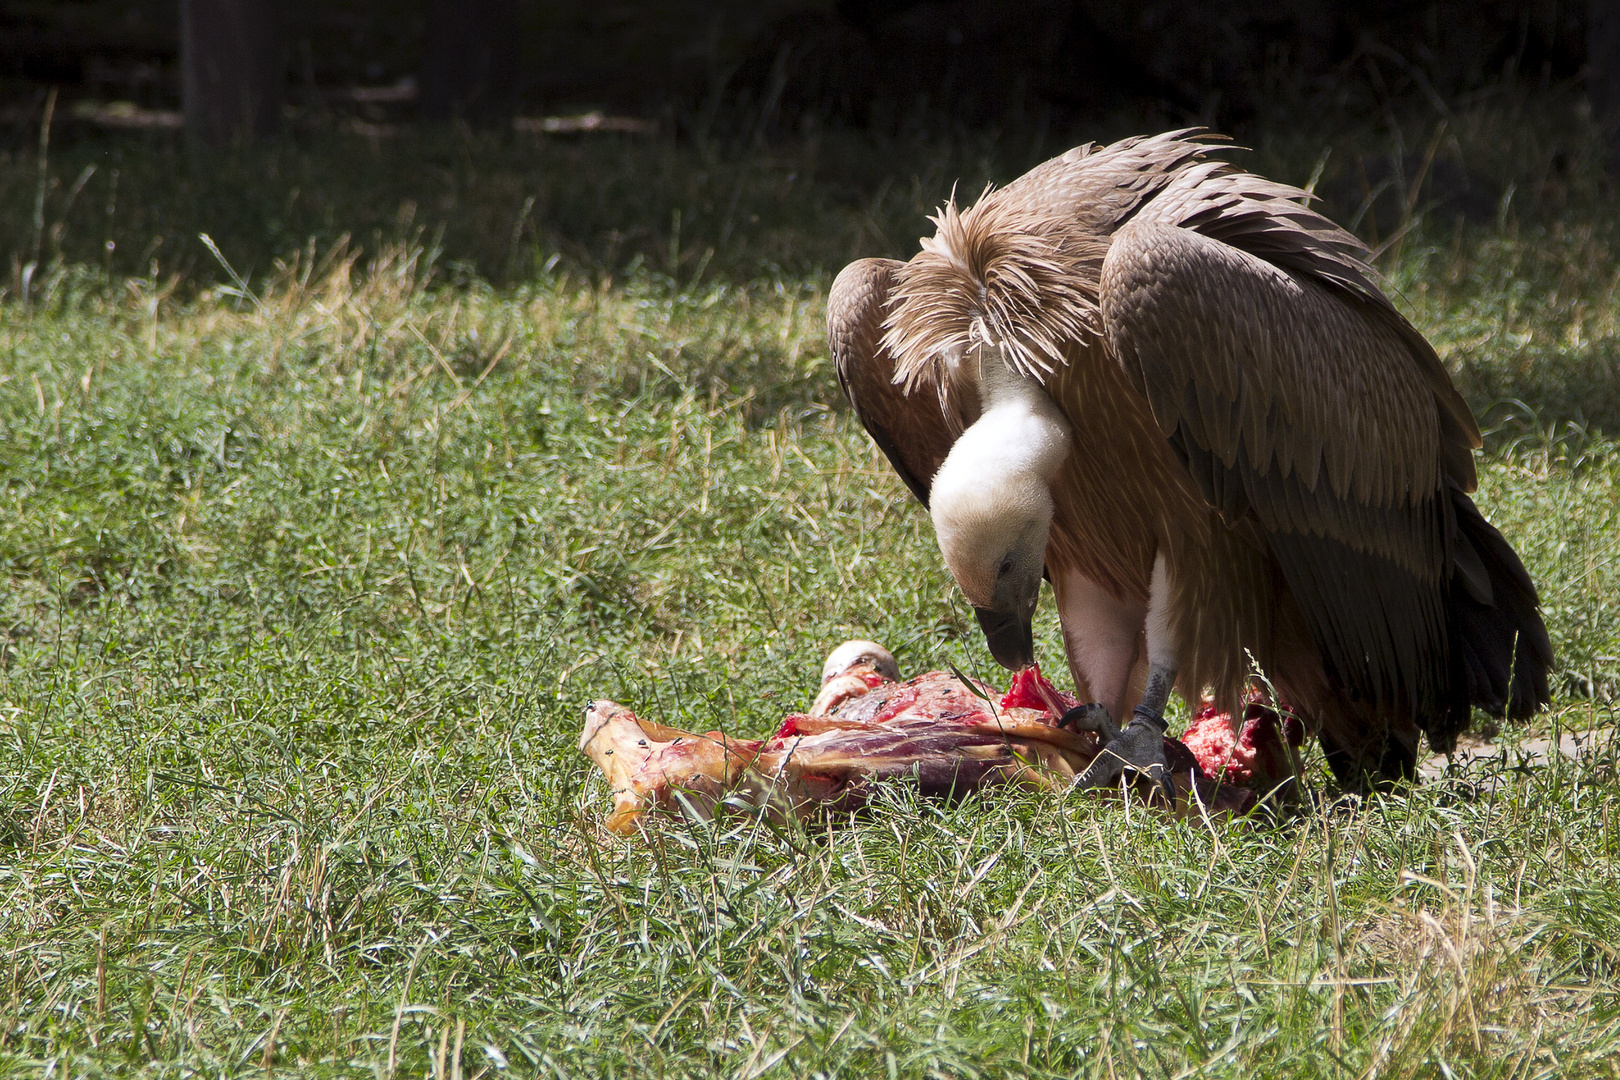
(1298,398)
(911,430)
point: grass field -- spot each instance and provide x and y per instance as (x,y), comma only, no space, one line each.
(303,585)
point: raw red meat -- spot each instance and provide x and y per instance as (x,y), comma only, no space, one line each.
(1030,690)
(1252,756)
(936,731)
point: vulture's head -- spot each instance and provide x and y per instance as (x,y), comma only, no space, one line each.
(991,502)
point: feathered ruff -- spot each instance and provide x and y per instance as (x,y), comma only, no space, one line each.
(995,276)
(1021,268)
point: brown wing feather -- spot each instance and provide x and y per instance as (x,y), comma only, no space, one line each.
(910,428)
(1170,179)
(1291,401)
(1273,222)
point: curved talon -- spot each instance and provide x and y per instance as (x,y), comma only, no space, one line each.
(1139,746)
(1093,718)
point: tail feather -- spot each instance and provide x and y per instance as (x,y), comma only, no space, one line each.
(1500,652)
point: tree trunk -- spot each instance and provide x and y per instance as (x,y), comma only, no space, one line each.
(1603,74)
(230,61)
(469,60)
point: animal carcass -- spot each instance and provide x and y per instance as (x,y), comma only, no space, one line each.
(946,736)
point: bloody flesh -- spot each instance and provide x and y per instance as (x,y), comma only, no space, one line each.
(935,731)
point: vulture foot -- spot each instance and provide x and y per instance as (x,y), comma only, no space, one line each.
(1139,747)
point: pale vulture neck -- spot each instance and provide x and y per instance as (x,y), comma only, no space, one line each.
(1019,434)
(1020,439)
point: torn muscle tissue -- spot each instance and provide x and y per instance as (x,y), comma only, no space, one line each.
(866,726)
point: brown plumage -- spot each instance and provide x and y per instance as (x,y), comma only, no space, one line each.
(1244,408)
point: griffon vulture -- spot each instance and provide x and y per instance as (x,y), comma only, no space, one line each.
(1178,393)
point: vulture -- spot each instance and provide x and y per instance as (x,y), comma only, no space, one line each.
(1177,392)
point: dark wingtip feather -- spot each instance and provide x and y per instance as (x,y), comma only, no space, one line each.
(1504,652)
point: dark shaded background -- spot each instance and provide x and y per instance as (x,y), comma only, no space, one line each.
(879,64)
(764,143)
(744,136)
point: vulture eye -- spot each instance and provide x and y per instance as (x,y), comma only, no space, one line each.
(1006,568)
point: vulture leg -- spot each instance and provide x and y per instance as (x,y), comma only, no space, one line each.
(1102,637)
(1140,745)
(1162,647)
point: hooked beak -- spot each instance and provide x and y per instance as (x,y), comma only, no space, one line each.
(1011,639)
